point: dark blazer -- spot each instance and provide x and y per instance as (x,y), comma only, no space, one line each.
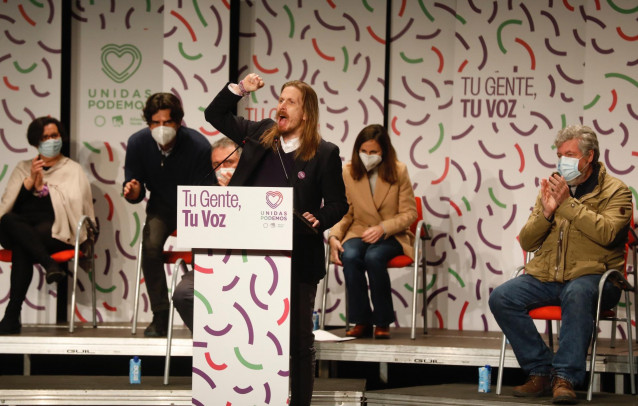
(322,183)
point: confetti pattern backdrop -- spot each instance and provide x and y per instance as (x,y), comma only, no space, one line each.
(477,93)
(127,51)
(241,332)
(30,46)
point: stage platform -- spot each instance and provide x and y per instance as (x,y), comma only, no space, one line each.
(451,347)
(438,347)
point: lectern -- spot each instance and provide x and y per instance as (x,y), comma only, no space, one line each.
(242,239)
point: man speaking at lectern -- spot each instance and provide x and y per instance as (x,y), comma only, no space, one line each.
(290,152)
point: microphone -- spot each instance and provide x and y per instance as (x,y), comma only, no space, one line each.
(222,162)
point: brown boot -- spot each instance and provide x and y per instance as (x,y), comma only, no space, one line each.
(535,386)
(563,392)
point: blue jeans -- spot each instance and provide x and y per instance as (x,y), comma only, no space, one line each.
(359,257)
(511,301)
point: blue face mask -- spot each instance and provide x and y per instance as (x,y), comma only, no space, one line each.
(568,168)
(50,148)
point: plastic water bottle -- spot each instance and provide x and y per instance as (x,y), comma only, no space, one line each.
(485,378)
(315,320)
(135,370)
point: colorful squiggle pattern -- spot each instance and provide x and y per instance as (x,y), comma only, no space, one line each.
(243,316)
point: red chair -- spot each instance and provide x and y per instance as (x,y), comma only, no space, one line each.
(553,313)
(75,254)
(178,258)
(419,229)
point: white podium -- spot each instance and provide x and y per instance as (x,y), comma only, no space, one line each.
(242,238)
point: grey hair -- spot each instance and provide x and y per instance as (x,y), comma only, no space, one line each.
(225,142)
(587,140)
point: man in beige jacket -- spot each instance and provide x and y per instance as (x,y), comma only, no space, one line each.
(577,230)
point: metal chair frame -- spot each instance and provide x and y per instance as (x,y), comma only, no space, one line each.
(421,235)
(76,254)
(179,264)
(170,257)
(610,315)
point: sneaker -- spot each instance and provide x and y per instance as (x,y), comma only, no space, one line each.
(535,386)
(563,392)
(159,325)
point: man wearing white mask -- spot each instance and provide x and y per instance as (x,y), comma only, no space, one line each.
(225,157)
(577,230)
(158,159)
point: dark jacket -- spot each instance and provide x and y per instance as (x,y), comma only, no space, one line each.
(322,183)
(188,164)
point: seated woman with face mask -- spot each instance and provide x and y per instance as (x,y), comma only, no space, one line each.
(375,229)
(43,202)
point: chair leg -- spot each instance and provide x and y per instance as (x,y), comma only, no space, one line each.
(592,361)
(415,282)
(424,286)
(73,298)
(324,295)
(634,256)
(138,277)
(594,344)
(171,313)
(93,283)
(630,342)
(501,366)
(345,296)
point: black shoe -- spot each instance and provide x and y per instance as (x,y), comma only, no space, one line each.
(159,325)
(9,325)
(54,272)
(57,275)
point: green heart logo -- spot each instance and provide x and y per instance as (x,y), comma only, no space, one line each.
(120,62)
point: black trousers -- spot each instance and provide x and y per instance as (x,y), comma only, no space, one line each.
(156,231)
(30,243)
(302,341)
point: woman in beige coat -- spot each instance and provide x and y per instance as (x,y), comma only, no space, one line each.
(43,202)
(375,229)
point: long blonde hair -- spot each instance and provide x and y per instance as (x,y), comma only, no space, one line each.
(310,137)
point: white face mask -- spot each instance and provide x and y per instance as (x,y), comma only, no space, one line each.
(370,161)
(51,147)
(163,135)
(568,168)
(224,172)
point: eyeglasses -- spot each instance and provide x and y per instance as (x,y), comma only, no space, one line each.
(49,136)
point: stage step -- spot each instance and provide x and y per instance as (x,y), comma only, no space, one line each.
(468,395)
(116,390)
